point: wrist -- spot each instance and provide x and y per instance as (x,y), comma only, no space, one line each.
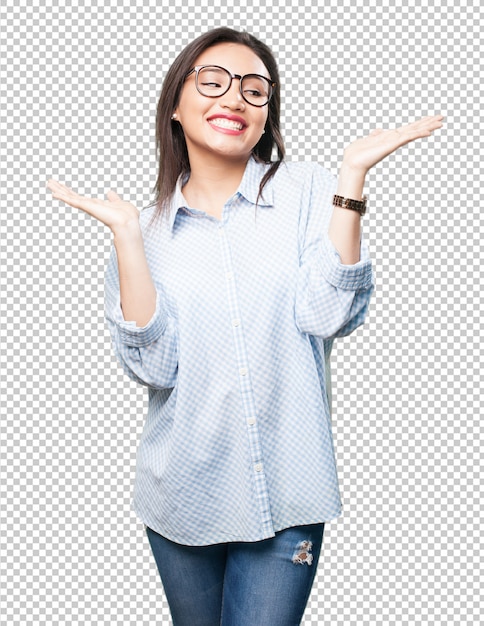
(351,181)
(127,233)
(351,204)
(353,166)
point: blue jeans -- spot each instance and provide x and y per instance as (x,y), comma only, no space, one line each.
(265,583)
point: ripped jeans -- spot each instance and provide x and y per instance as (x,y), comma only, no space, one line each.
(265,583)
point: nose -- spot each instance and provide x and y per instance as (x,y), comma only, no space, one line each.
(233,98)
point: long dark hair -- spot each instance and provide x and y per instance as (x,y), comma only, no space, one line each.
(171,147)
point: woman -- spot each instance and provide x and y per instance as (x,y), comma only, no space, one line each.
(224,298)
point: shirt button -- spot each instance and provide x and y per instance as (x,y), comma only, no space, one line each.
(229,275)
(251,421)
(258,467)
(243,371)
(236,322)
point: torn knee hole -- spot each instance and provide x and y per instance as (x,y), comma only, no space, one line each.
(303,553)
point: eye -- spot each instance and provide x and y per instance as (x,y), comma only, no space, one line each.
(255,93)
(211,85)
(212,79)
(255,87)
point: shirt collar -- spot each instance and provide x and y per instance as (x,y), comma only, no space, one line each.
(248,188)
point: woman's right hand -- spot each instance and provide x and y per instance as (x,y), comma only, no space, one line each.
(114,212)
(137,291)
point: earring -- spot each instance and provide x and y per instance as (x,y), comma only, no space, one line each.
(173,117)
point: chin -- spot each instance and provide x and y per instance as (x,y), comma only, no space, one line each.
(232,153)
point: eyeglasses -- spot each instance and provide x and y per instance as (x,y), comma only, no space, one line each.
(213,81)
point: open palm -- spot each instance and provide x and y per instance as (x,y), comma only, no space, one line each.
(366,152)
(114,212)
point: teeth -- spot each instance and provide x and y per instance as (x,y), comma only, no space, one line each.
(223,122)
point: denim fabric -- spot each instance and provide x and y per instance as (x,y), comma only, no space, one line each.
(263,583)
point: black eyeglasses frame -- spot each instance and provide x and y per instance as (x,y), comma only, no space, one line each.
(197,69)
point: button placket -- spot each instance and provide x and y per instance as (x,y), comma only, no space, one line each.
(246,389)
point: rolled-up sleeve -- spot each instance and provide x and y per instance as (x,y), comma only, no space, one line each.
(332,298)
(147,354)
(357,277)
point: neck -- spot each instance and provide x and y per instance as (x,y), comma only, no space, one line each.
(212,183)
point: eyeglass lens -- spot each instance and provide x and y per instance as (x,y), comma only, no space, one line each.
(215,81)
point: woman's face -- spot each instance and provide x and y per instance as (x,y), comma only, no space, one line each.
(226,126)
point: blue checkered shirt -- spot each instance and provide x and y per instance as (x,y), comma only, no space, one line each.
(237,443)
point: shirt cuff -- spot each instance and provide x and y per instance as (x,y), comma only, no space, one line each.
(141,336)
(357,277)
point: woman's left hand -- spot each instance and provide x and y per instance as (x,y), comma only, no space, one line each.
(362,154)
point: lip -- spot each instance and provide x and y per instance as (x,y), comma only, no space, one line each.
(232,118)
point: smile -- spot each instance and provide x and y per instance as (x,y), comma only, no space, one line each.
(222,122)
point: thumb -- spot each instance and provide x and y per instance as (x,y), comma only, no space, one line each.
(113,196)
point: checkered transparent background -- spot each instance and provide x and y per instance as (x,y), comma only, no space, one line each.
(78,89)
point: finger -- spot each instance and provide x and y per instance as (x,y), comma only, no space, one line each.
(435,122)
(431,122)
(60,191)
(56,186)
(112,196)
(59,188)
(65,194)
(92,206)
(423,127)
